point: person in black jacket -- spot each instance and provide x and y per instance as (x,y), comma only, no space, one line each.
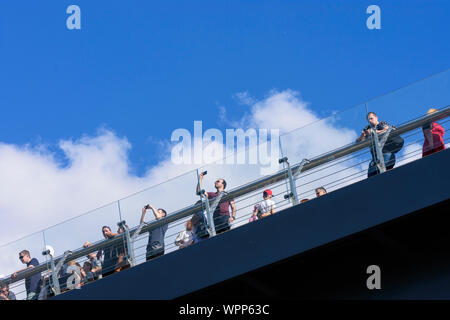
(379,127)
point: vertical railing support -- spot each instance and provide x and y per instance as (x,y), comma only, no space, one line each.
(55,270)
(130,256)
(379,153)
(55,281)
(300,167)
(293,193)
(209,214)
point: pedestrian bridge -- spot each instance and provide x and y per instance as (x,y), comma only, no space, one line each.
(319,249)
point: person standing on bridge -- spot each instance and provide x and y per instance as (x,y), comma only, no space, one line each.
(110,255)
(96,265)
(155,246)
(33,283)
(389,149)
(221,215)
(266,207)
(434,137)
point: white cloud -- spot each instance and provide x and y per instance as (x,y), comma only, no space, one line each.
(284,110)
(37,192)
(245,98)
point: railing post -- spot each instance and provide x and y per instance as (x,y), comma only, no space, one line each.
(211,225)
(300,168)
(379,153)
(293,193)
(55,281)
(55,270)
(209,214)
(137,232)
(130,256)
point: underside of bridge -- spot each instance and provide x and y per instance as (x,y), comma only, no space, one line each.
(412,253)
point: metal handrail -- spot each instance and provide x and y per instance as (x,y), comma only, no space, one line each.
(237,192)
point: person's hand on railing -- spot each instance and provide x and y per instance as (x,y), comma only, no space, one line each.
(14,275)
(364,134)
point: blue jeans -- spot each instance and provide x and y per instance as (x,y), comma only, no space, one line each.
(221,223)
(389,162)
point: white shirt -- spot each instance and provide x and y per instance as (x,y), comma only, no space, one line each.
(266,206)
(184,239)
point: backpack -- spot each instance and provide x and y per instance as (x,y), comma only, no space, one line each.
(393,144)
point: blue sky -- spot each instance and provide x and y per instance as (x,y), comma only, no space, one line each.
(143,69)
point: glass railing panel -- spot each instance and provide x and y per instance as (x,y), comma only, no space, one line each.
(243,167)
(171,196)
(320,137)
(73,234)
(10,262)
(412,102)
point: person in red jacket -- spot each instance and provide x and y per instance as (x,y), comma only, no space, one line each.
(434,137)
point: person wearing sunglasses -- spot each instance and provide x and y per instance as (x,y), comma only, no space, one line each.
(5,294)
(321,191)
(33,283)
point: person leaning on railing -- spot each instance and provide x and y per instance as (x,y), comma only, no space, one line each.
(434,137)
(110,255)
(33,283)
(96,265)
(155,246)
(389,149)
